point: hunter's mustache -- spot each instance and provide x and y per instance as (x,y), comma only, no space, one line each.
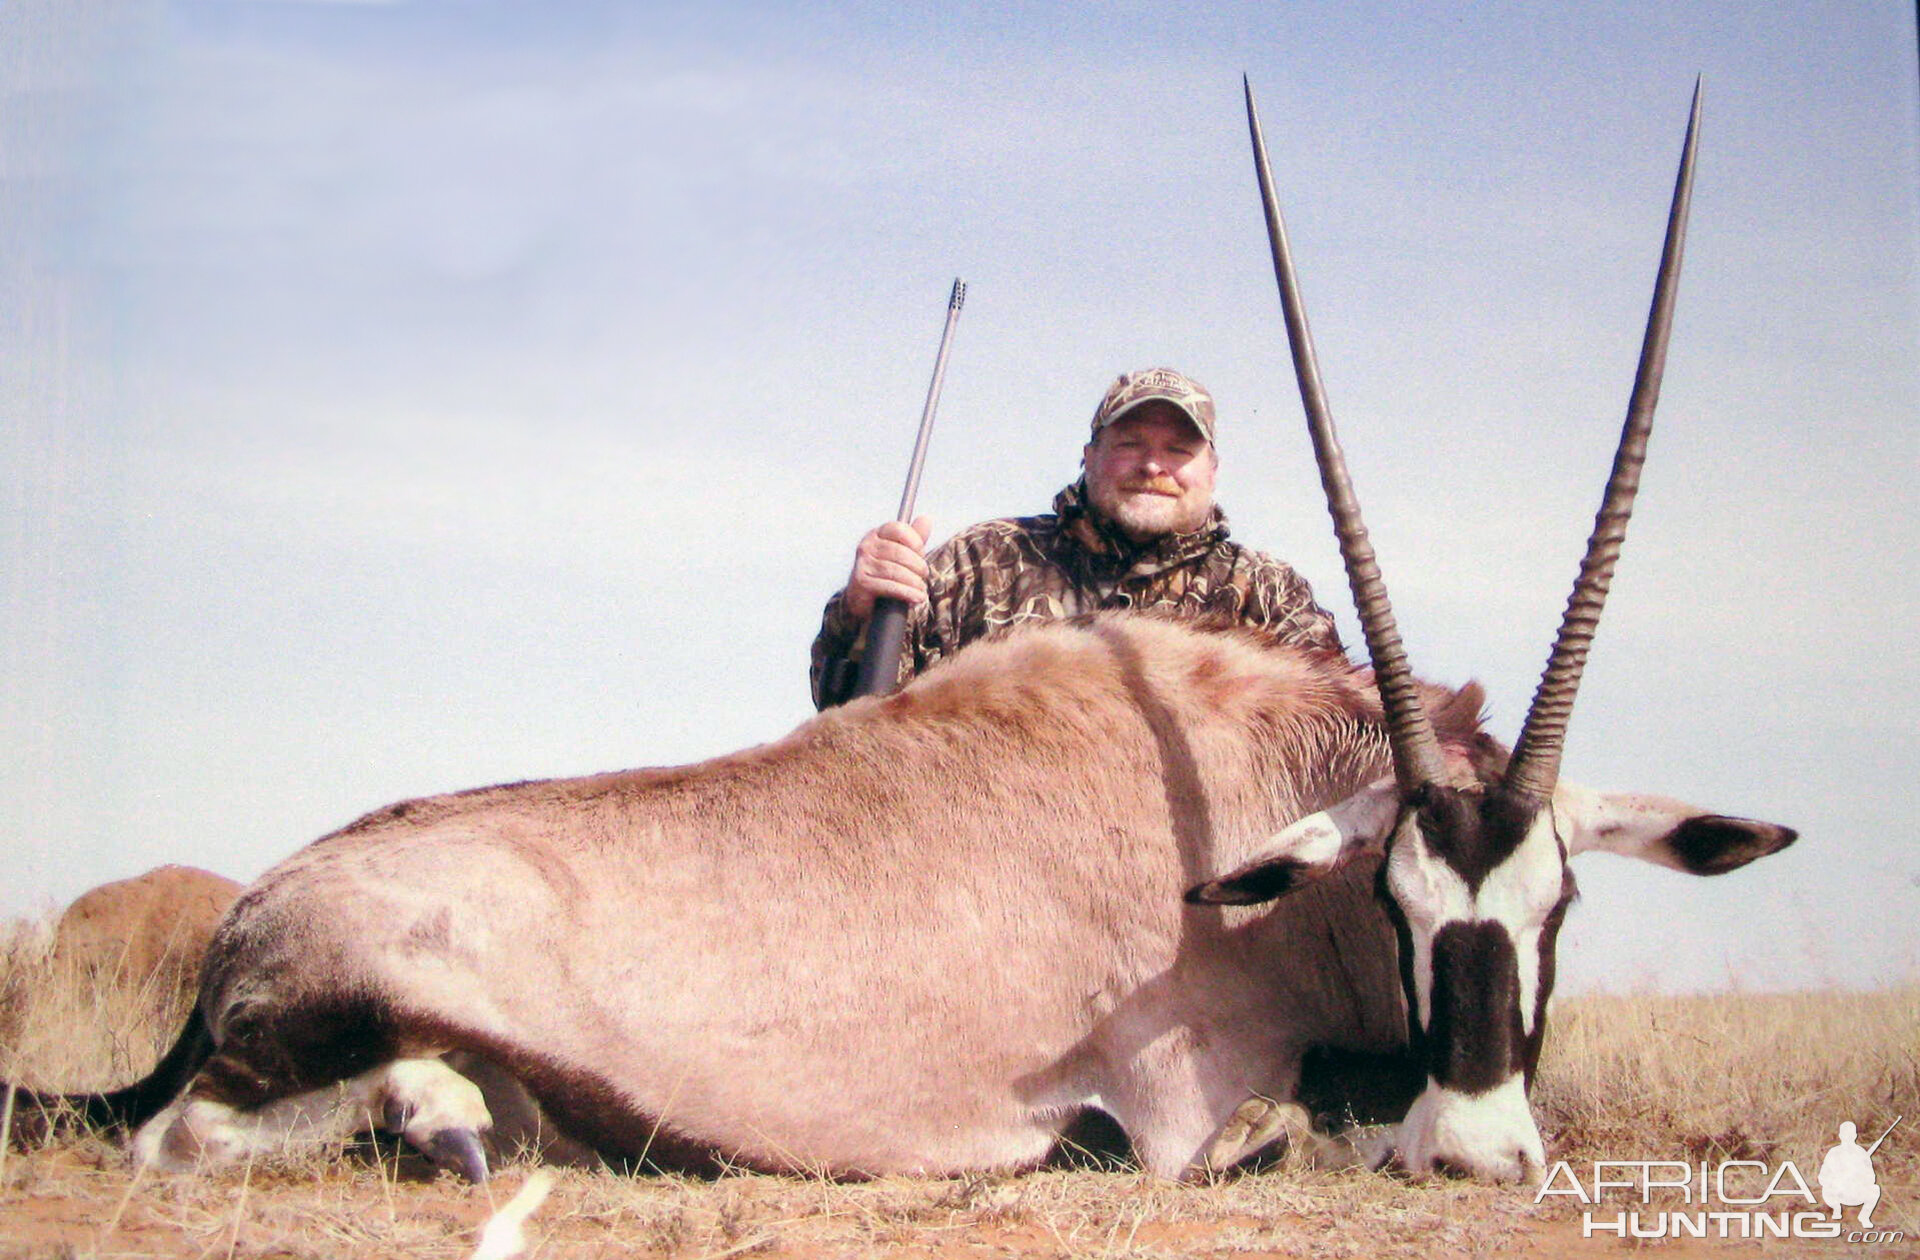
(1151,485)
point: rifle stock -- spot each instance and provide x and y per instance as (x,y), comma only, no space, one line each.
(886,637)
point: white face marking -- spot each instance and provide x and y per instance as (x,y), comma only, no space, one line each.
(1519,894)
(1491,1135)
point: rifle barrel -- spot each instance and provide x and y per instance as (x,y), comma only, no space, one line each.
(880,661)
(912,491)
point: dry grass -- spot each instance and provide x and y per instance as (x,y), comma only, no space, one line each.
(77,1024)
(1733,1076)
(1750,1076)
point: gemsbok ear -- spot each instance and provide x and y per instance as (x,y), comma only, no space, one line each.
(1308,849)
(1661,830)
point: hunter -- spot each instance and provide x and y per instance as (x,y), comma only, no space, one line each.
(1139,529)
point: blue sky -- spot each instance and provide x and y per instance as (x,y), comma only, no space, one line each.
(401,397)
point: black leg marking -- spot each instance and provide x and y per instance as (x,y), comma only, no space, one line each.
(1095,1142)
(1342,1088)
(273,1053)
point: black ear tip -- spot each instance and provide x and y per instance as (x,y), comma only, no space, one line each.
(1251,885)
(1712,844)
(1230,892)
(1766,837)
(1221,892)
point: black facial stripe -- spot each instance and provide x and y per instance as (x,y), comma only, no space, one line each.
(1475,1039)
(1403,934)
(1549,944)
(1473,833)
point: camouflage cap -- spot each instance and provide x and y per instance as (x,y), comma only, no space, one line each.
(1156,385)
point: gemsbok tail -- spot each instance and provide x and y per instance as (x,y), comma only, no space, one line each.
(33,1116)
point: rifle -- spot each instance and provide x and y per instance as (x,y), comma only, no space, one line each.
(886,629)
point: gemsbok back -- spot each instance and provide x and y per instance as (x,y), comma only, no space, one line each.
(926,933)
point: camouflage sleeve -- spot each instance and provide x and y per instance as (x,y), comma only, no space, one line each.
(1280,601)
(940,628)
(836,654)
(933,629)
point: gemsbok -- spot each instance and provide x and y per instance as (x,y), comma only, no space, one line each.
(926,932)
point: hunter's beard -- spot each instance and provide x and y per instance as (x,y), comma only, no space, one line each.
(1151,508)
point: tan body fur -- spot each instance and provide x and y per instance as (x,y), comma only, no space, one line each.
(918,934)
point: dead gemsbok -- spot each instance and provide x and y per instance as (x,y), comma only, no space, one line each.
(924,933)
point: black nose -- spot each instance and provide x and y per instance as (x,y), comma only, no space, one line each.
(1445,1167)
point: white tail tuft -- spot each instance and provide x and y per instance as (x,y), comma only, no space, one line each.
(502,1237)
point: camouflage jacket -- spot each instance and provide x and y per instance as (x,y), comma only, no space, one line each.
(1007,572)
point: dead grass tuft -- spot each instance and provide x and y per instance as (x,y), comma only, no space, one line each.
(75,1024)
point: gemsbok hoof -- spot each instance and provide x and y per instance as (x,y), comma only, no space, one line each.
(459,1152)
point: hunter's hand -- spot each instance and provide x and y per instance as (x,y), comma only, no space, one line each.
(890,562)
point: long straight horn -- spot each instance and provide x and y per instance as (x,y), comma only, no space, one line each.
(1536,756)
(1416,750)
